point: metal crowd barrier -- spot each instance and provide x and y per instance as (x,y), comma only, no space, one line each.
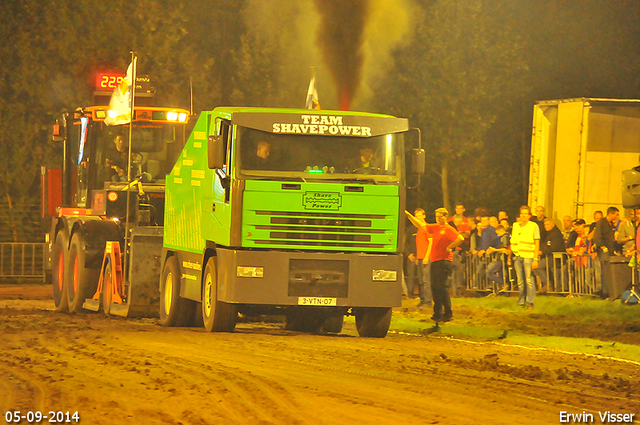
(565,274)
(22,260)
(572,275)
(498,264)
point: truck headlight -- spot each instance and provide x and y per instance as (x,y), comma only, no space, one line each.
(385,275)
(243,271)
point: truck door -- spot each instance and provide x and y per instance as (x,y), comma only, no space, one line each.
(82,163)
(77,162)
(221,185)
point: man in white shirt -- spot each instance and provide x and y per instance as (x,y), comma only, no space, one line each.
(525,245)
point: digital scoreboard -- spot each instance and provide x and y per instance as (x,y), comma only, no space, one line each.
(108,80)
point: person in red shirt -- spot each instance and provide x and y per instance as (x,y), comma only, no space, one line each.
(444,240)
(419,262)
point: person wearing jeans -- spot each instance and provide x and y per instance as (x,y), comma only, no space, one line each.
(526,282)
(525,245)
(605,239)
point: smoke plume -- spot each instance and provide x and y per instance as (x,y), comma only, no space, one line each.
(340,38)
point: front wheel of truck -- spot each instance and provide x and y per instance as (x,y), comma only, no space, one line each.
(218,316)
(174,310)
(373,322)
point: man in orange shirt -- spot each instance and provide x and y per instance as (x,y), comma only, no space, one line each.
(444,240)
(421,261)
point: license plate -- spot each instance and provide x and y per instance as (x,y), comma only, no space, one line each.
(317,301)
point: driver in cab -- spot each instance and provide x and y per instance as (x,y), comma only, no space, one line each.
(365,163)
(261,160)
(116,160)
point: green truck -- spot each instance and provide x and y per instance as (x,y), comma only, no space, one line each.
(291,209)
(271,211)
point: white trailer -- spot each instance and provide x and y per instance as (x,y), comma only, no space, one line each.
(579,149)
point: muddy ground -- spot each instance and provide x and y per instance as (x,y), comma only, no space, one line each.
(123,371)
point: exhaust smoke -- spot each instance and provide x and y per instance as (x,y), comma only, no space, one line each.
(340,38)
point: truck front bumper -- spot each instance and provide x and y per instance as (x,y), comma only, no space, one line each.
(304,278)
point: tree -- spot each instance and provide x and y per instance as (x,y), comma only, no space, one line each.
(463,68)
(50,64)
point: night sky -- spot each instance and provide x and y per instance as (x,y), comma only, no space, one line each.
(486,61)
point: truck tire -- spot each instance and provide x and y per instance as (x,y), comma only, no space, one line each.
(59,259)
(174,310)
(218,316)
(81,281)
(373,322)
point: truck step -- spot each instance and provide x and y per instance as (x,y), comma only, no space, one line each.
(91,304)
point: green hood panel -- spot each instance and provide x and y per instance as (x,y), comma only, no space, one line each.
(320,216)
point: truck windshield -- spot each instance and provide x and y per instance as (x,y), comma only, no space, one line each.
(153,152)
(321,157)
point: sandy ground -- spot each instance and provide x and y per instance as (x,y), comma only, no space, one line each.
(123,371)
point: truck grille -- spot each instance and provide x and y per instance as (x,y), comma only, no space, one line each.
(320,229)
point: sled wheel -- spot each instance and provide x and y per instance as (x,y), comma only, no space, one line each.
(218,316)
(373,322)
(303,319)
(333,324)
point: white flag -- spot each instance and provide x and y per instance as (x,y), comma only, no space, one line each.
(120,103)
(312,94)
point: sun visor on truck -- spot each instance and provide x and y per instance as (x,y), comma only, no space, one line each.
(320,124)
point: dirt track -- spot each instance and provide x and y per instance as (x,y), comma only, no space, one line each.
(116,371)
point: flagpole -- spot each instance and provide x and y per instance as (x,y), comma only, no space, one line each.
(132,101)
(125,270)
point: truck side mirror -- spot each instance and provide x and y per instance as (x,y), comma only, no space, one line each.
(59,130)
(417,161)
(215,152)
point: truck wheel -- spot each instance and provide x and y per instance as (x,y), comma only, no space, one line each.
(59,258)
(373,322)
(81,281)
(173,309)
(333,324)
(218,316)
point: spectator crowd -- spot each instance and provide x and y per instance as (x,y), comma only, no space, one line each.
(531,254)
